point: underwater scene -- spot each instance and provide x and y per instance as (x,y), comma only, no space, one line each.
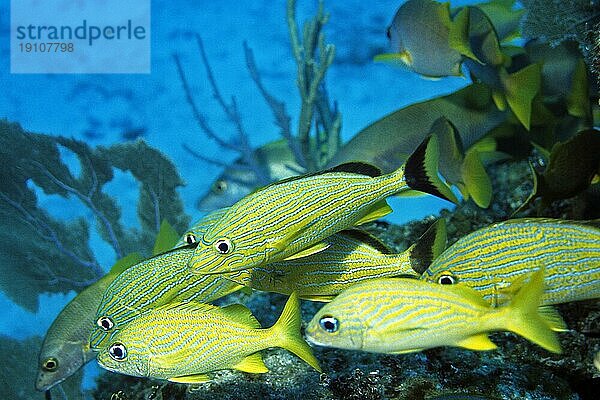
(300,199)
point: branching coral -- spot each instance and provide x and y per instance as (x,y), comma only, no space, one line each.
(41,253)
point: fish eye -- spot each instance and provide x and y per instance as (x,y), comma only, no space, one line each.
(223,246)
(117,351)
(329,323)
(50,365)
(105,323)
(190,238)
(388,32)
(219,186)
(446,280)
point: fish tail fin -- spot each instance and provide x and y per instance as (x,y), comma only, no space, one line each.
(287,332)
(421,170)
(428,247)
(524,316)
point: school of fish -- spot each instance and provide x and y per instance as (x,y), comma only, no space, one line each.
(301,237)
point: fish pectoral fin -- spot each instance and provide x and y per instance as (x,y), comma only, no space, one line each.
(477,342)
(197,378)
(317,297)
(253,364)
(380,209)
(310,251)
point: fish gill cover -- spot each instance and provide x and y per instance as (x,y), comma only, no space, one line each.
(527,101)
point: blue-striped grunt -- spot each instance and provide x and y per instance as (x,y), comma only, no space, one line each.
(291,218)
(353,256)
(66,344)
(400,315)
(161,279)
(493,258)
(183,342)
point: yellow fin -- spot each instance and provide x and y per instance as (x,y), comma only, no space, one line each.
(125,262)
(476,179)
(524,318)
(198,378)
(403,58)
(287,335)
(310,251)
(380,209)
(551,316)
(405,351)
(241,314)
(317,297)
(477,342)
(166,238)
(253,364)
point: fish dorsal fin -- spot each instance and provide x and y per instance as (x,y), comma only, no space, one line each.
(309,251)
(477,342)
(197,378)
(428,247)
(241,314)
(468,293)
(357,167)
(317,298)
(380,209)
(368,239)
(123,263)
(253,364)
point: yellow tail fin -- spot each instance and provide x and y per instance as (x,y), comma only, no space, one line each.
(525,319)
(287,332)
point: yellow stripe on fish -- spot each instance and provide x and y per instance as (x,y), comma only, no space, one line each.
(352,256)
(182,342)
(400,315)
(66,344)
(493,258)
(156,281)
(292,217)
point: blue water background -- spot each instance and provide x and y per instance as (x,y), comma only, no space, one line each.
(100,109)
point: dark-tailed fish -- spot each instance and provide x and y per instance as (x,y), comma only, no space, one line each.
(183,342)
(238,180)
(496,259)
(401,315)
(353,256)
(66,345)
(291,218)
(161,279)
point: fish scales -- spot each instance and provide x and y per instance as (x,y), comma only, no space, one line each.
(493,257)
(184,341)
(293,216)
(352,256)
(326,217)
(348,260)
(397,315)
(154,282)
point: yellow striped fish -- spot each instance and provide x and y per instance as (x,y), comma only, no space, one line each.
(161,279)
(66,345)
(491,259)
(183,342)
(291,218)
(400,315)
(353,256)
